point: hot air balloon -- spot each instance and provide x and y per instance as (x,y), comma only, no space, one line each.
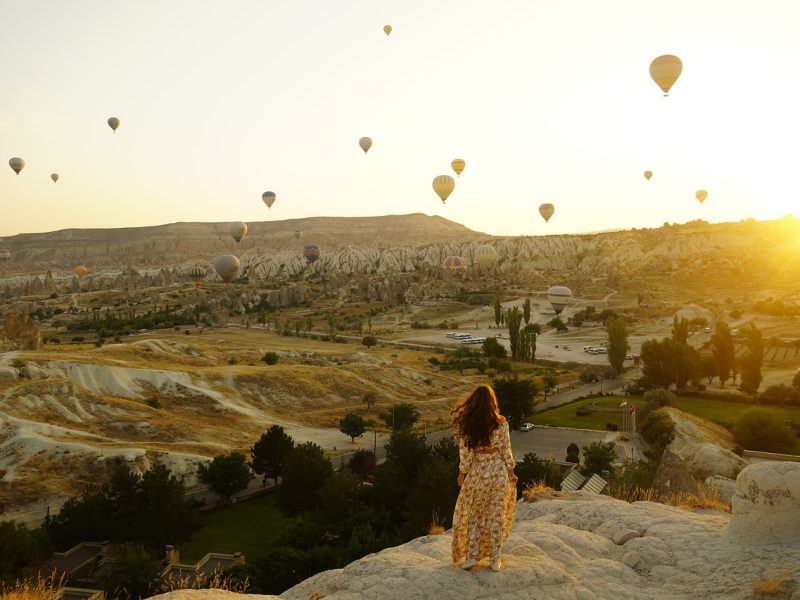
(365,143)
(665,71)
(226,267)
(54,177)
(559,296)
(701,195)
(268,198)
(113,122)
(387,29)
(648,175)
(311,252)
(546,210)
(238,230)
(453,263)
(298,234)
(458,165)
(16,164)
(485,255)
(81,271)
(197,274)
(443,185)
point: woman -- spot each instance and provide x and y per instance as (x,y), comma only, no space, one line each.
(485,507)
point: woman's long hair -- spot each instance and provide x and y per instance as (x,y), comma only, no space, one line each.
(477,417)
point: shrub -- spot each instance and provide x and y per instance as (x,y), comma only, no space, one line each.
(369,340)
(658,429)
(781,394)
(154,402)
(764,430)
(271,358)
(232,360)
(434,361)
(655,399)
(582,412)
(612,426)
(99,342)
(588,376)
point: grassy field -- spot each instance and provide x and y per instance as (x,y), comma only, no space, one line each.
(244,527)
(564,416)
(717,411)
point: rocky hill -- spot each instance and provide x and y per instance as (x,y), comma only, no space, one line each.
(176,243)
(592,547)
(763,253)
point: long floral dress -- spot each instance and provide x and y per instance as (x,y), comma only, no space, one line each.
(485,506)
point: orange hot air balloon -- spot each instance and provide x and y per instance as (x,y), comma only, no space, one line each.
(81,271)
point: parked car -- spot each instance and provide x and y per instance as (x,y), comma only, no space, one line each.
(526,427)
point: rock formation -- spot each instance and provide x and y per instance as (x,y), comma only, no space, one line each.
(19,327)
(586,546)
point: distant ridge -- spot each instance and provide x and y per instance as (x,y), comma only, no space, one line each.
(185,241)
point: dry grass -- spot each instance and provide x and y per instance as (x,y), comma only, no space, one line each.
(776,585)
(703,497)
(41,588)
(532,492)
(216,581)
(436,527)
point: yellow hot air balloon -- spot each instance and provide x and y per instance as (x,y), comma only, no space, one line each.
(701,195)
(365,143)
(81,271)
(546,210)
(268,198)
(387,29)
(648,175)
(443,185)
(113,122)
(16,164)
(485,255)
(238,230)
(458,165)
(54,177)
(665,71)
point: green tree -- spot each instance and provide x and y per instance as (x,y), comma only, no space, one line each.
(526,310)
(598,457)
(765,430)
(498,311)
(618,347)
(432,497)
(708,368)
(369,341)
(549,380)
(363,463)
(352,425)
(532,470)
(667,362)
(401,416)
(527,342)
(135,573)
(796,380)
(306,469)
(407,450)
(723,351)
(513,320)
(752,360)
(516,398)
(226,474)
(270,451)
(271,358)
(573,453)
(658,429)
(370,399)
(557,324)
(23,551)
(493,348)
(680,330)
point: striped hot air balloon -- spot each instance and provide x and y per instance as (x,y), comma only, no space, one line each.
(454,262)
(311,253)
(559,296)
(485,255)
(197,274)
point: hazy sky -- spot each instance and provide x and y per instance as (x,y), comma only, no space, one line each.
(546,101)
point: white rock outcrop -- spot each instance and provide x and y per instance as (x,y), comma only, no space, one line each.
(766,505)
(592,547)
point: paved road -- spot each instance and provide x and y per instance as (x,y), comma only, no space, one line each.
(605,386)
